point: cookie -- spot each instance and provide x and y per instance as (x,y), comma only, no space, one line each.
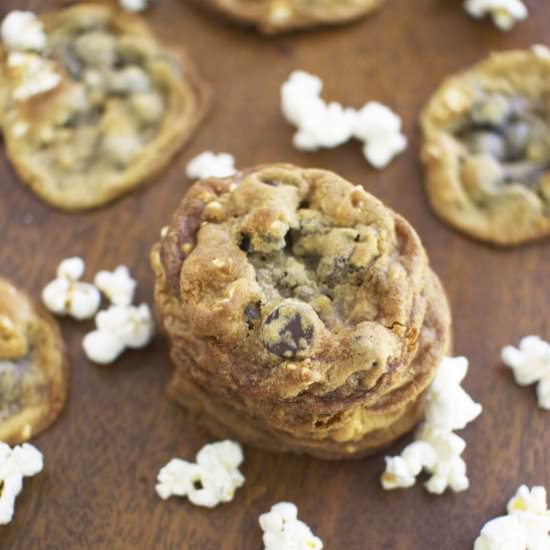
(486,148)
(302,313)
(33,370)
(116,106)
(276,16)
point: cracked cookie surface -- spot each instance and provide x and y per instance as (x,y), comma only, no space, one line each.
(304,305)
(124,105)
(33,370)
(487,148)
(275,16)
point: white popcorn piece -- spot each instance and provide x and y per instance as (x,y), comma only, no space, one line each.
(319,124)
(213,479)
(34,75)
(131,79)
(438,450)
(526,527)
(541,51)
(66,295)
(505,13)
(448,406)
(502,533)
(118,328)
(380,129)
(530,363)
(22,30)
(299,95)
(118,285)
(322,125)
(210,165)
(71,268)
(133,6)
(401,471)
(282,530)
(449,469)
(325,126)
(15,464)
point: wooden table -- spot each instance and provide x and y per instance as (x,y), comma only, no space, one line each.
(118,429)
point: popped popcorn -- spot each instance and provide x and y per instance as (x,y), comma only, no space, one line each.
(448,469)
(437,450)
(328,125)
(284,531)
(380,130)
(530,364)
(319,124)
(210,165)
(300,94)
(502,533)
(213,479)
(505,13)
(402,471)
(118,286)
(133,5)
(448,406)
(15,464)
(526,527)
(118,328)
(22,30)
(33,75)
(67,295)
(541,51)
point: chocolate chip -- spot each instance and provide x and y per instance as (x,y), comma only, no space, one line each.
(289,330)
(246,244)
(252,315)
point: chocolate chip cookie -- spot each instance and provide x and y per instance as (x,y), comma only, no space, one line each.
(33,371)
(302,313)
(100,111)
(487,148)
(276,16)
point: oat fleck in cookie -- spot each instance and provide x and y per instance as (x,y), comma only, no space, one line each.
(275,16)
(94,106)
(487,148)
(33,370)
(302,312)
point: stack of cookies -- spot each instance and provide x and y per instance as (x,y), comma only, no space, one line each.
(302,313)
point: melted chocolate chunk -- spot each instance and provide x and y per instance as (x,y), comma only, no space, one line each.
(246,244)
(288,330)
(252,315)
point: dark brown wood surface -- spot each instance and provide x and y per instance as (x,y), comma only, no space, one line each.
(118,429)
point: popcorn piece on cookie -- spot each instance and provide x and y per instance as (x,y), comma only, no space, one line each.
(22,30)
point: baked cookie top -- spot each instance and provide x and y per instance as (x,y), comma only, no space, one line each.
(33,370)
(487,148)
(275,16)
(100,110)
(295,279)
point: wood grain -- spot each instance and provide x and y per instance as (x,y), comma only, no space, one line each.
(102,456)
